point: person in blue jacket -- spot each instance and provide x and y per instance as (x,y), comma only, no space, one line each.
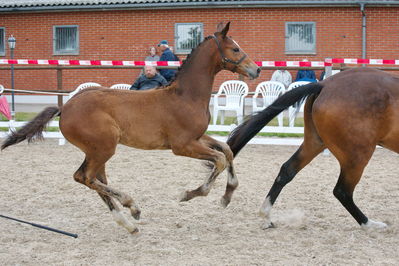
(167,55)
(306,75)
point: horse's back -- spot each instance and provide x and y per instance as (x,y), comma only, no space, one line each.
(111,115)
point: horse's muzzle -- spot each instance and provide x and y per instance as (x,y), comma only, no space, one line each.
(253,72)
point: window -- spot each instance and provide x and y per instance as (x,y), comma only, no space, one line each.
(66,40)
(300,37)
(187,36)
(2,41)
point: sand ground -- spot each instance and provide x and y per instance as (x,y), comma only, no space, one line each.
(312,227)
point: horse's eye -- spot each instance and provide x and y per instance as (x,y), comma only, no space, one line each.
(236,50)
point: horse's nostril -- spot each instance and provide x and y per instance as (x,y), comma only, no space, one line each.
(258,70)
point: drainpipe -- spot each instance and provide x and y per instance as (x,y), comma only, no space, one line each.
(364,28)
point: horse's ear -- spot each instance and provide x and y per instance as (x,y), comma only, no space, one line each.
(219,27)
(225,30)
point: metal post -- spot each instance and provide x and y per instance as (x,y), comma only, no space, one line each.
(12,87)
(59,86)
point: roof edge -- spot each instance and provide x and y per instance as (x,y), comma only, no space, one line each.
(193,5)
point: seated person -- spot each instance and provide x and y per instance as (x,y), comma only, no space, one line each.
(306,75)
(149,79)
(282,76)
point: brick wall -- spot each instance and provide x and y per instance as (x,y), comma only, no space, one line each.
(126,35)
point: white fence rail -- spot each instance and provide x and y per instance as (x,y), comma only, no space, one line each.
(214,128)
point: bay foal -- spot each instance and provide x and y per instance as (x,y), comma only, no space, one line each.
(172,117)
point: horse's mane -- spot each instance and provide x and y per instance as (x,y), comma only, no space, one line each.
(186,62)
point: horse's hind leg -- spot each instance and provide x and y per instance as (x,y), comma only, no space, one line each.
(113,207)
(92,174)
(352,164)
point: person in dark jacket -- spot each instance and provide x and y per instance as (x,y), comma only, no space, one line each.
(306,75)
(149,79)
(167,55)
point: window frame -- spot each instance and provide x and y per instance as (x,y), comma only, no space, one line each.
(313,51)
(186,51)
(72,52)
(3,53)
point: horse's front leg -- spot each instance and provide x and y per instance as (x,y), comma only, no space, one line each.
(200,149)
(232,181)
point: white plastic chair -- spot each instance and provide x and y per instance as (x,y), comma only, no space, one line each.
(234,92)
(121,86)
(333,72)
(270,91)
(298,107)
(83,86)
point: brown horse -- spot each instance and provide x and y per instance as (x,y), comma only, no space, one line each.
(173,117)
(349,113)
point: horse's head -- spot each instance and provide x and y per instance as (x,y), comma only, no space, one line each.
(233,57)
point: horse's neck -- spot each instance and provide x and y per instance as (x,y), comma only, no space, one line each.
(197,79)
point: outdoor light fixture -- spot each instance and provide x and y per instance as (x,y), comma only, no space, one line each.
(11,42)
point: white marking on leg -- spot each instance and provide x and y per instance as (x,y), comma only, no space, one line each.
(232,179)
(373,225)
(265,211)
(122,221)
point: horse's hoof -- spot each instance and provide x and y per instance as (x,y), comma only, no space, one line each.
(267,225)
(224,202)
(374,225)
(134,231)
(136,214)
(184,196)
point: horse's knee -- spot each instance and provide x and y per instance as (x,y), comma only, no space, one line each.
(220,161)
(227,152)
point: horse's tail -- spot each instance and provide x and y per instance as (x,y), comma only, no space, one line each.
(33,129)
(240,136)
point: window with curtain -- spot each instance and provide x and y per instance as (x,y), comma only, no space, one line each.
(300,38)
(66,40)
(187,36)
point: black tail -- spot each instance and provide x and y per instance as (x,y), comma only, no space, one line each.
(32,130)
(247,130)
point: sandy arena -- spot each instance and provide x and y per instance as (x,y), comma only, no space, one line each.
(312,228)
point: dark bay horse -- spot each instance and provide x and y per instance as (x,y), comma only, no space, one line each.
(173,117)
(349,113)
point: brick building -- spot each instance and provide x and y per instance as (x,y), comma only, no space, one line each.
(124,30)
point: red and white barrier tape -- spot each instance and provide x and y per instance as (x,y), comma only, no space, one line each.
(362,61)
(293,64)
(327,62)
(88,62)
